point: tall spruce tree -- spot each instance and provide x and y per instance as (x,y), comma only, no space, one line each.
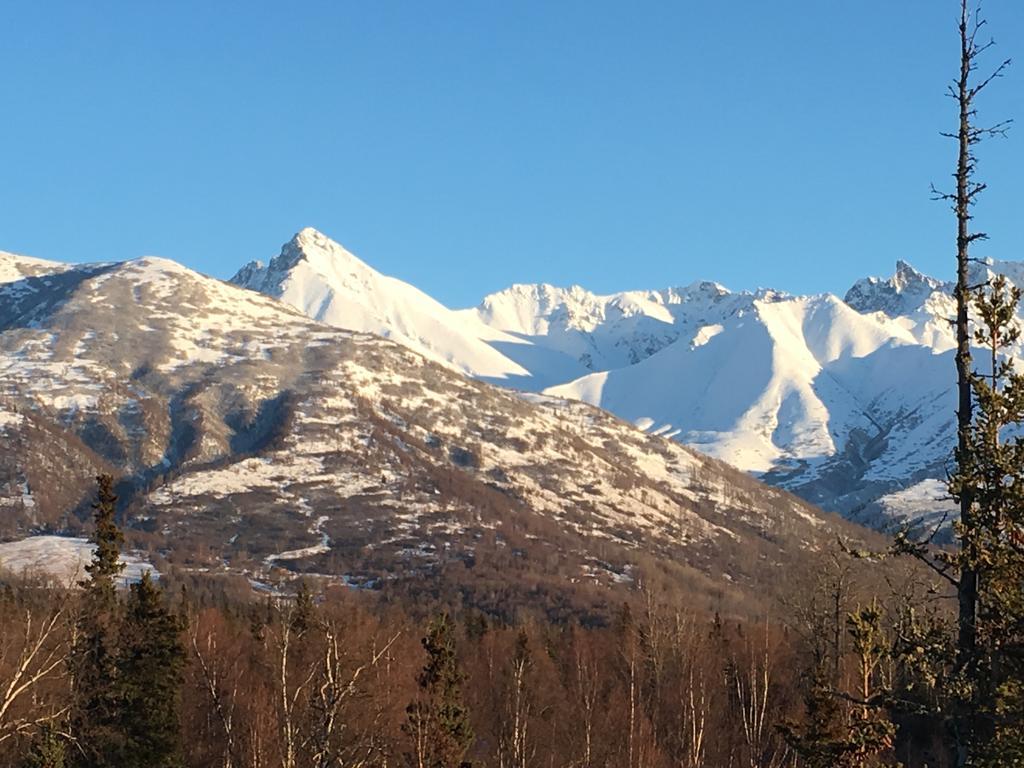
(438,721)
(822,739)
(992,683)
(151,665)
(847,729)
(95,706)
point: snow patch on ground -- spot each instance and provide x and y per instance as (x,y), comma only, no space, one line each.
(62,558)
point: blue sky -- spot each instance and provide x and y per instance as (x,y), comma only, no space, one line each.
(465,145)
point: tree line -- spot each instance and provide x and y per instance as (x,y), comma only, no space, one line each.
(857,668)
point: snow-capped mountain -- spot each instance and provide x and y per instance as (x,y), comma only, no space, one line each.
(804,390)
(600,332)
(249,437)
(905,293)
(845,401)
(329,284)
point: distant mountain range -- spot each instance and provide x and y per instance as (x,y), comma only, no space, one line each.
(346,414)
(848,402)
(248,437)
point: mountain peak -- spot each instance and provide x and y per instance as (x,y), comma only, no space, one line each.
(900,294)
(315,247)
(309,233)
(906,276)
(322,254)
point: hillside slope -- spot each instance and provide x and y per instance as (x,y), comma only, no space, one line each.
(251,438)
(847,402)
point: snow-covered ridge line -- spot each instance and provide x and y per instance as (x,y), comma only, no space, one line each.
(844,401)
(250,438)
(841,399)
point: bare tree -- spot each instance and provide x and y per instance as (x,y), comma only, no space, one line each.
(336,687)
(752,689)
(293,677)
(694,694)
(222,698)
(30,656)
(514,746)
(586,690)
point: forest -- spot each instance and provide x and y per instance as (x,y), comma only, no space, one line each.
(857,667)
(191,674)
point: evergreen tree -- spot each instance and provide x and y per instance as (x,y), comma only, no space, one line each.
(95,709)
(151,666)
(991,684)
(47,750)
(821,741)
(438,721)
(845,729)
(981,685)
(108,540)
(871,730)
(303,614)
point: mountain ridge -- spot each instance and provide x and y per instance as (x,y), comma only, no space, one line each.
(841,413)
(845,401)
(252,440)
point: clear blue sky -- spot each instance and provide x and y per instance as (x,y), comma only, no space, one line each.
(464,145)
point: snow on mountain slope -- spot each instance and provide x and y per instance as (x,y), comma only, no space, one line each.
(602,332)
(844,402)
(763,389)
(249,437)
(926,505)
(63,558)
(922,304)
(902,294)
(329,284)
(15,267)
(847,403)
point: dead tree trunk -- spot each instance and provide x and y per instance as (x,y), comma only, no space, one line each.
(964,91)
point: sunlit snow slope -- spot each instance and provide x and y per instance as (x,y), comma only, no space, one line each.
(329,284)
(845,401)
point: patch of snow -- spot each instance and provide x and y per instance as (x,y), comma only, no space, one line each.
(63,558)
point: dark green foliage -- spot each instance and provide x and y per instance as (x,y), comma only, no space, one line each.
(127,662)
(991,683)
(304,614)
(105,566)
(476,626)
(977,686)
(48,749)
(151,663)
(438,721)
(821,741)
(848,729)
(871,729)
(96,708)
